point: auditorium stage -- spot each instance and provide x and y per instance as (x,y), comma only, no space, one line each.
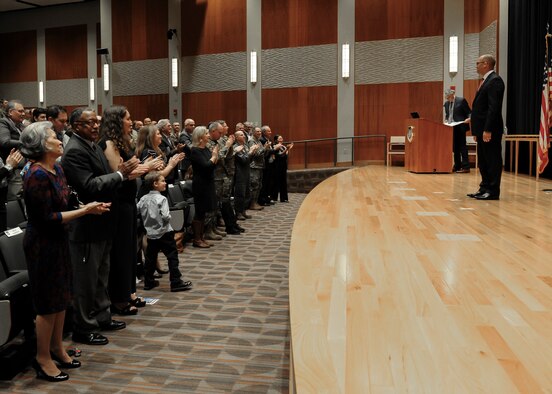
(400,283)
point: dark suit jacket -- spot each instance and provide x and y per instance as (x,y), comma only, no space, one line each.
(461,111)
(88,172)
(487,107)
(9,137)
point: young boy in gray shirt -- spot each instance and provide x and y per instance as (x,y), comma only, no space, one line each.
(154,210)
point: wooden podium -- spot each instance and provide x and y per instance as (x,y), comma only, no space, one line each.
(428,146)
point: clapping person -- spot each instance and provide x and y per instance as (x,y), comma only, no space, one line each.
(203,186)
(46,245)
(115,141)
(280,169)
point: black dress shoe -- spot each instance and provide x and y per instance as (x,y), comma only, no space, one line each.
(240,228)
(40,374)
(113,325)
(181,286)
(148,285)
(474,195)
(233,231)
(486,196)
(90,339)
(63,364)
(463,171)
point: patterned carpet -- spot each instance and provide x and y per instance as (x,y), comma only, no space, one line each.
(230,334)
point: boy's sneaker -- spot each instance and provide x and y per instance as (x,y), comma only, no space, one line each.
(148,285)
(181,286)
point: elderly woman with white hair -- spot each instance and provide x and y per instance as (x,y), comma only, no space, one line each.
(46,245)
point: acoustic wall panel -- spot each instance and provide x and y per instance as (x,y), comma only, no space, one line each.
(140,77)
(214,73)
(299,67)
(27,92)
(67,91)
(471,54)
(488,39)
(403,60)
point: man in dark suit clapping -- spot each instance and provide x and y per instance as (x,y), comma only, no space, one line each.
(487,128)
(89,173)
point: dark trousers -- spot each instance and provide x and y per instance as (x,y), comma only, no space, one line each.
(167,245)
(460,149)
(489,156)
(90,277)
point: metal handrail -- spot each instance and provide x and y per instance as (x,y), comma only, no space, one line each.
(336,140)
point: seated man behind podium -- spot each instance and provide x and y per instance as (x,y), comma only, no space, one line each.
(457,110)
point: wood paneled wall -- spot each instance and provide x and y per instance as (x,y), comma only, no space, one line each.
(293,23)
(213,27)
(382,109)
(208,106)
(154,106)
(478,14)
(18,62)
(66,52)
(385,20)
(139,29)
(300,114)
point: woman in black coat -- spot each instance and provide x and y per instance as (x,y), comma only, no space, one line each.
(279,185)
(203,186)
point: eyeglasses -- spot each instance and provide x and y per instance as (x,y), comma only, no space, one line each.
(90,123)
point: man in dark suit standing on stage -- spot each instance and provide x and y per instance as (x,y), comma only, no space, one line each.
(487,128)
(458,110)
(88,172)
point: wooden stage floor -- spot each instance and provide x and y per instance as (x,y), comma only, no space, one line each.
(400,283)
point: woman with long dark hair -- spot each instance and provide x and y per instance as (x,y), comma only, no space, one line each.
(115,140)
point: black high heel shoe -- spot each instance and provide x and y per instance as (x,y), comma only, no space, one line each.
(63,364)
(40,374)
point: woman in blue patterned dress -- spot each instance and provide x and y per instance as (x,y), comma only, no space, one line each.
(46,245)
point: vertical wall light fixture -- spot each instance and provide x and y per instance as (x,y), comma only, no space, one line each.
(92,89)
(253,67)
(106,77)
(345,61)
(453,54)
(41,92)
(174,72)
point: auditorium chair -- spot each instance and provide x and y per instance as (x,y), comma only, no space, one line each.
(12,254)
(16,315)
(395,146)
(15,214)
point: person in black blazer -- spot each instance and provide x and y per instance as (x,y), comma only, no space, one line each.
(88,172)
(487,128)
(457,110)
(10,130)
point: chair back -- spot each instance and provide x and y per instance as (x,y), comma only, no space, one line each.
(15,213)
(12,254)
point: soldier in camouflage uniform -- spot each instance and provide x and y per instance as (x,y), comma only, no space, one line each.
(226,143)
(257,166)
(241,186)
(210,232)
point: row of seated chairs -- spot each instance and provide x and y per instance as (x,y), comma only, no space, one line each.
(16,309)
